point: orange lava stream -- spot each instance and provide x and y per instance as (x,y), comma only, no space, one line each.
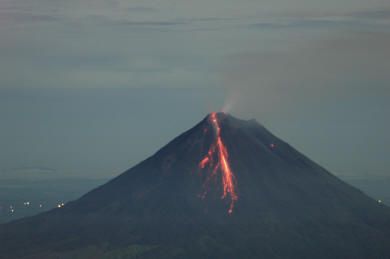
(228,178)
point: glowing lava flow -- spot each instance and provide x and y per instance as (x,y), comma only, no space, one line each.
(218,148)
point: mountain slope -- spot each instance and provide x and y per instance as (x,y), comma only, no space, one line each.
(226,188)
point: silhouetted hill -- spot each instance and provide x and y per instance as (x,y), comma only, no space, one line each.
(226,188)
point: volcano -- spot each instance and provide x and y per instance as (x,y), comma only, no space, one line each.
(227,188)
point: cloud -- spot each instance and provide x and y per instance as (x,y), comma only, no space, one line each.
(152,23)
(379,19)
(96,43)
(307,23)
(372,14)
(28,173)
(142,9)
(22,17)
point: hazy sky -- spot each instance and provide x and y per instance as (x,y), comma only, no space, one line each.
(90,87)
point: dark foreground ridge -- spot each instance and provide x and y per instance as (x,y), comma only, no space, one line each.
(181,203)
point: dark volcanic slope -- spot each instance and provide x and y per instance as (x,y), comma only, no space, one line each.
(287,207)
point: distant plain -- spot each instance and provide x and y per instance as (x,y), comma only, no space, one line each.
(26,196)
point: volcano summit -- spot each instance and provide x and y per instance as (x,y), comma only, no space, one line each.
(227,188)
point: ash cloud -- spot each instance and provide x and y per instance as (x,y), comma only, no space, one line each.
(348,64)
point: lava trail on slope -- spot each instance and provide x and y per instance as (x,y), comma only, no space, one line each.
(219,150)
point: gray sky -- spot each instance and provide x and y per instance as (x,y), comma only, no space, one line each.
(91,87)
